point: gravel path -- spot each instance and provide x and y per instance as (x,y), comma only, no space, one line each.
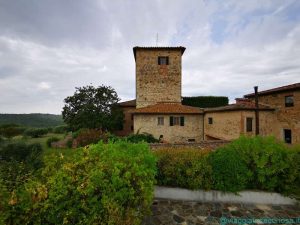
(166,212)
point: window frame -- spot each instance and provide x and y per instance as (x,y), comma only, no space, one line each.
(285,136)
(163,57)
(210,120)
(249,128)
(288,104)
(177,121)
(160,121)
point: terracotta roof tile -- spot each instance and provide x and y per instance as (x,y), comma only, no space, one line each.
(131,103)
(240,106)
(274,90)
(168,108)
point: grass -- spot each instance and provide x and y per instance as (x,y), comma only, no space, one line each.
(43,141)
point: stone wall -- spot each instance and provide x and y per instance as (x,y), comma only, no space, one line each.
(157,83)
(225,125)
(127,123)
(287,117)
(230,125)
(202,145)
(192,129)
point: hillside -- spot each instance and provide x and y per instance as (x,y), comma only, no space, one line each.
(32,120)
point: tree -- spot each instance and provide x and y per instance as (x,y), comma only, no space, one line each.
(92,107)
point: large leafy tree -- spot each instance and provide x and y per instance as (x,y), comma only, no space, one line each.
(93,107)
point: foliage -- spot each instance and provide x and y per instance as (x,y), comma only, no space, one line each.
(267,159)
(136,138)
(18,162)
(229,172)
(36,132)
(102,184)
(205,101)
(187,168)
(11,130)
(22,152)
(60,129)
(36,120)
(85,137)
(51,140)
(92,107)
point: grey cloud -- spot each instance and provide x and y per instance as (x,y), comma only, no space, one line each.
(67,44)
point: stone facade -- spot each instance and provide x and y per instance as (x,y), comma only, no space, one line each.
(191,131)
(230,125)
(157,83)
(285,117)
(128,121)
(158,94)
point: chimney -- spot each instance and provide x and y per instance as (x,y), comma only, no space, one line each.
(256,111)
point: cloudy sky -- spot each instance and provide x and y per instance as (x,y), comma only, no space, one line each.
(49,47)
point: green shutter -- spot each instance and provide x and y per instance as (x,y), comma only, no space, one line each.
(171,120)
(182,121)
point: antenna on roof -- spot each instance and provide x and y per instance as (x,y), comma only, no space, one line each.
(156,39)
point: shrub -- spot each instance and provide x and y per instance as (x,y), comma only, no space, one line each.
(11,130)
(85,137)
(60,129)
(229,173)
(136,138)
(266,159)
(187,168)
(102,184)
(36,132)
(51,140)
(20,152)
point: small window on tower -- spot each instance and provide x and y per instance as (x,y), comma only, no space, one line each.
(289,101)
(163,60)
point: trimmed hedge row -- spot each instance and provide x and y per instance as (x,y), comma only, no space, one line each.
(102,184)
(205,101)
(247,163)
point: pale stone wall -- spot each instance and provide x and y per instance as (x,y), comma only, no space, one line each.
(226,125)
(230,125)
(286,117)
(157,83)
(192,129)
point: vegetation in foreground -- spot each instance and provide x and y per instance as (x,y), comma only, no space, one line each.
(102,184)
(260,163)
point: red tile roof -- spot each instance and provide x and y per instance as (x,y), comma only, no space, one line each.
(240,106)
(168,108)
(131,103)
(158,48)
(290,87)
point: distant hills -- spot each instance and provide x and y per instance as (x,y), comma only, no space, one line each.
(32,120)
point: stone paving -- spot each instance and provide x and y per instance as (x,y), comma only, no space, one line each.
(165,212)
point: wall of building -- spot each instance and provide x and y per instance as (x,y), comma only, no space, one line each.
(230,125)
(192,129)
(127,123)
(286,117)
(157,83)
(226,125)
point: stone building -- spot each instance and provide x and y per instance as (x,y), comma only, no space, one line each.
(286,102)
(158,109)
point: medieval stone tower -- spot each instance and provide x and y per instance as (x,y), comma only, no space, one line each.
(158,75)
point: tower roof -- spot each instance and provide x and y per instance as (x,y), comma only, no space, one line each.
(181,48)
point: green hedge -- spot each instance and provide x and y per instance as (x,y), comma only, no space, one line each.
(260,163)
(102,184)
(205,101)
(183,168)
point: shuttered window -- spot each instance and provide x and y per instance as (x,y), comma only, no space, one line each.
(176,120)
